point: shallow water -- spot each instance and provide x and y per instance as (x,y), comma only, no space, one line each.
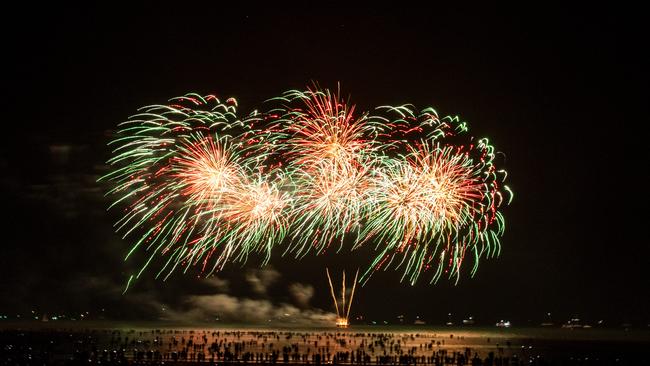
(67,340)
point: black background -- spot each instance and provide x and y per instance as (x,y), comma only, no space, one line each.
(562,92)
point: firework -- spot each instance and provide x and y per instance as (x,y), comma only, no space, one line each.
(330,152)
(342,313)
(436,202)
(195,183)
(201,186)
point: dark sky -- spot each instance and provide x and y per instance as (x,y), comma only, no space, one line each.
(559,91)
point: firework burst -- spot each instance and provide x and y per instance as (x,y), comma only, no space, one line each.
(436,202)
(201,186)
(330,152)
(193,178)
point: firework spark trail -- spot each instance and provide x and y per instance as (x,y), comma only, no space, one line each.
(190,172)
(330,152)
(200,186)
(435,201)
(421,202)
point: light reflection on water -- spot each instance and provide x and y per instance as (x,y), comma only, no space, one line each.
(468,332)
(135,338)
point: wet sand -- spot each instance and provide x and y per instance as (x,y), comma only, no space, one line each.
(111,343)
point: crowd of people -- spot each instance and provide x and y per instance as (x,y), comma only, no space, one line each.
(159,346)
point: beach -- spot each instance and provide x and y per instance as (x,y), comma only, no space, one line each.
(152,343)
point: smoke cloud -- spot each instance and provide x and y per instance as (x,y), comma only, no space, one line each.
(261,279)
(301,293)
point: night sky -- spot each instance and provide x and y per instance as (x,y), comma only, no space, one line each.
(558,91)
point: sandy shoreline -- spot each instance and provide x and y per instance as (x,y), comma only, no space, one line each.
(110,341)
